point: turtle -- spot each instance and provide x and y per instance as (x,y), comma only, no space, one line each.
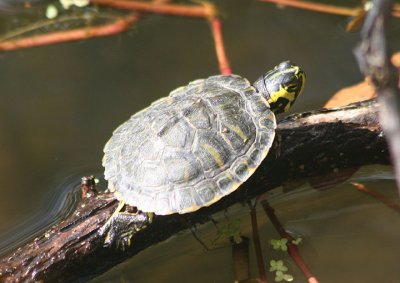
(198,144)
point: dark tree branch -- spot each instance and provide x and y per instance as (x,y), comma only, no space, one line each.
(374,59)
(308,144)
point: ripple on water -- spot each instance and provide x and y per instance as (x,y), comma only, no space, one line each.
(56,205)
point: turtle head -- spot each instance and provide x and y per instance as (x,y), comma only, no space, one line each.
(281,86)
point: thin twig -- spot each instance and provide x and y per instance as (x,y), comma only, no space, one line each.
(192,11)
(373,57)
(324,8)
(205,247)
(118,26)
(257,243)
(46,23)
(316,7)
(292,248)
(388,202)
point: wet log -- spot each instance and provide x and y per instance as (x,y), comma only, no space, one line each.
(308,144)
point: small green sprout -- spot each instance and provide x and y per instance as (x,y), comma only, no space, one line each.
(297,241)
(277,265)
(279,276)
(51,12)
(279,268)
(231,230)
(79,3)
(279,244)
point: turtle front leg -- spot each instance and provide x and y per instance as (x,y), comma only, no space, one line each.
(122,225)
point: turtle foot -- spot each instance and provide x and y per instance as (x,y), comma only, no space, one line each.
(123,225)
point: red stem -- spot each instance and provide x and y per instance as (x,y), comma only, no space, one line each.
(378,196)
(257,244)
(323,8)
(295,255)
(292,248)
(216,28)
(317,7)
(193,11)
(70,35)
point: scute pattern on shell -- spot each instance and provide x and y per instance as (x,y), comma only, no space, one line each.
(191,148)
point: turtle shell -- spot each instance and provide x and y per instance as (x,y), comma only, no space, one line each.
(191,148)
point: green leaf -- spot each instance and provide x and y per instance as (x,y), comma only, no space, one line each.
(51,12)
(297,241)
(277,265)
(275,244)
(280,244)
(279,276)
(287,277)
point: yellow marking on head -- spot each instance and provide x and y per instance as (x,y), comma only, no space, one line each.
(296,72)
(302,74)
(282,92)
(237,130)
(303,77)
(214,153)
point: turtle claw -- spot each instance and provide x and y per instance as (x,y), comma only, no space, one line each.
(122,226)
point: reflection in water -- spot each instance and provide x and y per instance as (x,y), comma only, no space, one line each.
(57,204)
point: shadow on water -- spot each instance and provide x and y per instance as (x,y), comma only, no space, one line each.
(60,104)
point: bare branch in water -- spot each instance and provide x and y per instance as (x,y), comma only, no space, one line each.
(374,59)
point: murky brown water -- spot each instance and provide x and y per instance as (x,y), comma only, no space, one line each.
(60,104)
